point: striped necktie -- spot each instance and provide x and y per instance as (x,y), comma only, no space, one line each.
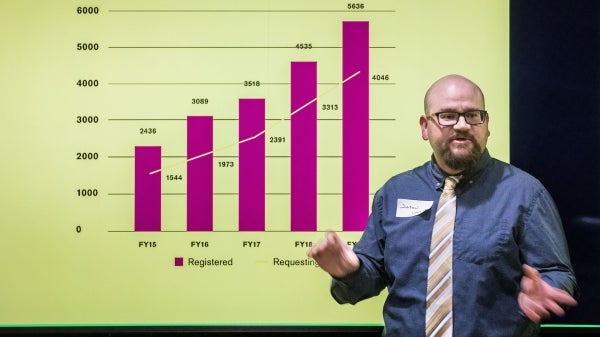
(438,313)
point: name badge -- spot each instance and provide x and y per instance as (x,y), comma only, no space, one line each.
(408,208)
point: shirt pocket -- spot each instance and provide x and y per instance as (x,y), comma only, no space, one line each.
(480,242)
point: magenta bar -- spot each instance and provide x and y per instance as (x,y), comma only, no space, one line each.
(147,195)
(355,125)
(200,173)
(303,189)
(251,164)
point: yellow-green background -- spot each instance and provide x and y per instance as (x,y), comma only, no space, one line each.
(53,275)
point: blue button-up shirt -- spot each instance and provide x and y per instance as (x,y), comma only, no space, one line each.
(504,218)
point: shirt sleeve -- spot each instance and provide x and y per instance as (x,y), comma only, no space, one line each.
(544,246)
(370,279)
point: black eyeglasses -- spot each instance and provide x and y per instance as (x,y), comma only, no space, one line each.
(451,118)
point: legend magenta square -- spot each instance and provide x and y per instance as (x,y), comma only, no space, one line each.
(179,262)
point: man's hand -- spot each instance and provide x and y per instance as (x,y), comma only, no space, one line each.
(538,299)
(334,256)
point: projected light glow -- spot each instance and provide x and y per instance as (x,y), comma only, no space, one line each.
(171,164)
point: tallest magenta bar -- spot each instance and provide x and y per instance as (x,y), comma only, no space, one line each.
(355,125)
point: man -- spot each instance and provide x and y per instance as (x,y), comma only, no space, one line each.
(505,256)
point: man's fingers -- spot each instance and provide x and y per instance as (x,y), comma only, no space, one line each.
(315,250)
(527,284)
(538,299)
(529,308)
(555,308)
(331,244)
(320,249)
(333,238)
(530,272)
(536,307)
(562,297)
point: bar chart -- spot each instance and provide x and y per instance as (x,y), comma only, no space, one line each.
(251,145)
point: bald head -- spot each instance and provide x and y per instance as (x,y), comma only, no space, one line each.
(450,86)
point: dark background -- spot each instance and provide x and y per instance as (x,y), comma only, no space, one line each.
(555,135)
(555,124)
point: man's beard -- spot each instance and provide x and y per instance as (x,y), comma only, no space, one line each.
(463,161)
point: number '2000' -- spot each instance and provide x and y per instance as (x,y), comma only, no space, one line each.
(87,155)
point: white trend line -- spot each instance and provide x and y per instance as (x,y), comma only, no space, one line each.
(260,133)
